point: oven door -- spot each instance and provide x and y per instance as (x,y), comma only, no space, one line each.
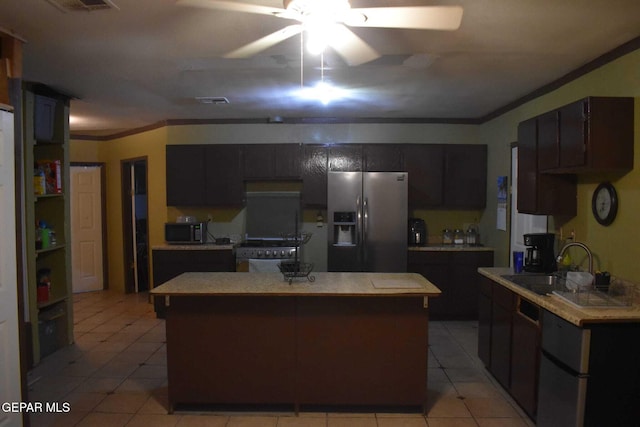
(254,265)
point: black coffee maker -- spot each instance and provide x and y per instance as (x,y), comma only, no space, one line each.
(417,232)
(539,257)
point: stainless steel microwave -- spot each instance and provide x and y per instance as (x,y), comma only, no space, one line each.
(185,232)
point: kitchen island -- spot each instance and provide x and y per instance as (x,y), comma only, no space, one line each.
(346,340)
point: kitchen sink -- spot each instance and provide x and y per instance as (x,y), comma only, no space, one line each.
(542,284)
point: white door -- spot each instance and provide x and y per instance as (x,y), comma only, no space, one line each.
(86,229)
(10,390)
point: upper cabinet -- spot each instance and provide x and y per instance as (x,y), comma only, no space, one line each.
(465,176)
(538,193)
(272,161)
(425,166)
(594,134)
(345,158)
(314,175)
(382,157)
(440,176)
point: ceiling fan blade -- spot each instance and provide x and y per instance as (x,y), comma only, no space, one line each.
(265,42)
(414,17)
(232,6)
(350,47)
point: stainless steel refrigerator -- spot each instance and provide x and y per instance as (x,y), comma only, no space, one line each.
(367,217)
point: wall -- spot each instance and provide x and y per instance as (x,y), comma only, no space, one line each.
(612,245)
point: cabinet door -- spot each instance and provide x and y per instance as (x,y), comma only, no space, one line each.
(525,358)
(258,161)
(501,316)
(425,165)
(287,161)
(185,175)
(548,144)
(224,185)
(434,266)
(314,176)
(528,166)
(383,158)
(484,321)
(345,158)
(540,193)
(573,134)
(464,282)
(44,120)
(465,176)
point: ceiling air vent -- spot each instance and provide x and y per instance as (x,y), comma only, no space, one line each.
(212,99)
(83,5)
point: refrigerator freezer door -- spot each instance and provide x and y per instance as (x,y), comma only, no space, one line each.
(344,195)
(385,219)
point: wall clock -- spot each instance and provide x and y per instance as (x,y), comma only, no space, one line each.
(604,203)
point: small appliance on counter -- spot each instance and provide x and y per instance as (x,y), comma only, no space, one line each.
(539,257)
(417,232)
(185,233)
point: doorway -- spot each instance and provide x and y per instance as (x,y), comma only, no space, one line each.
(88,227)
(135,224)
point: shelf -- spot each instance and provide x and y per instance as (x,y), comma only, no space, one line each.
(47,196)
(51,302)
(50,249)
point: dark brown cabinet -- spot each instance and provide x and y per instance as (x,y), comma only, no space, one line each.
(525,355)
(509,341)
(271,161)
(314,175)
(224,181)
(455,273)
(382,157)
(169,263)
(538,193)
(594,134)
(425,166)
(440,176)
(185,175)
(345,158)
(465,176)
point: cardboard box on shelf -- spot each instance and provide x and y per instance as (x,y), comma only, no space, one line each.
(52,170)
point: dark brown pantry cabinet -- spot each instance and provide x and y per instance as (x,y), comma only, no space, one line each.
(465,176)
(455,273)
(314,175)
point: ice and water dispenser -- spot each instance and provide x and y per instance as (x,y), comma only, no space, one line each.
(344,228)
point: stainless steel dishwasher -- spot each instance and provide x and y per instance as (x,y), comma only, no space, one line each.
(589,375)
(564,372)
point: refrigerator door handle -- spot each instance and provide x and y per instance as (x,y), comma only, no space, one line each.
(365,221)
(358,220)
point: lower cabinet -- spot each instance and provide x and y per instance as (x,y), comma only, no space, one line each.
(509,341)
(169,263)
(455,273)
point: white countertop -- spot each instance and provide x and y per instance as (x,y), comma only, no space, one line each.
(274,284)
(557,305)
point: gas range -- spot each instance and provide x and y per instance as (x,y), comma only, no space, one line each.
(265,249)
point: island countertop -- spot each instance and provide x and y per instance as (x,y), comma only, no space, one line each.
(273,284)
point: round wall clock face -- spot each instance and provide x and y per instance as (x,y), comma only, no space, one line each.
(604,203)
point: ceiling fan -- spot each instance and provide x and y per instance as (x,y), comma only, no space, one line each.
(325,22)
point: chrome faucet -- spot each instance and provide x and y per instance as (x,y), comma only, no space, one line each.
(583,246)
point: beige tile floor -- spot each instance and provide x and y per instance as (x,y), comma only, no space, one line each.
(115,375)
